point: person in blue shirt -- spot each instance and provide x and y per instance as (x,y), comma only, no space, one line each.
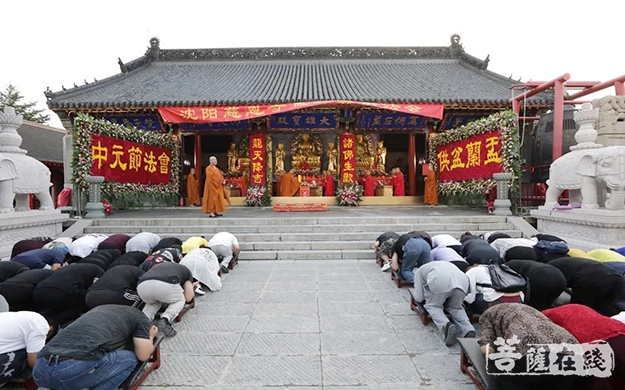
(41,258)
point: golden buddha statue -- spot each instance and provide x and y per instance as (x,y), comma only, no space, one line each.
(306,153)
(280,155)
(364,155)
(380,157)
(333,156)
(233,158)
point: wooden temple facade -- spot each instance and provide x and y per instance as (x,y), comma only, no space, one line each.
(303,99)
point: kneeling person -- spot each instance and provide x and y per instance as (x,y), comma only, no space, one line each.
(383,248)
(97,351)
(118,286)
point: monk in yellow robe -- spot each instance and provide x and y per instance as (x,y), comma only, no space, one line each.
(193,195)
(213,202)
(289,185)
(431,190)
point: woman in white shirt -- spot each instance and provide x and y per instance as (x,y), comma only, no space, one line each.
(481,295)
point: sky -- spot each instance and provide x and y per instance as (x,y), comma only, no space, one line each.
(54,43)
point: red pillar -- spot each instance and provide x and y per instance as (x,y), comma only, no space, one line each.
(412,164)
(558,118)
(197,156)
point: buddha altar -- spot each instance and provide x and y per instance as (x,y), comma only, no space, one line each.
(380,157)
(244,154)
(365,158)
(233,158)
(306,153)
(280,156)
(333,155)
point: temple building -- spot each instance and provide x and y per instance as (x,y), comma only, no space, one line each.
(302,99)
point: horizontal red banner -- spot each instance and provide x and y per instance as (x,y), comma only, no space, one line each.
(476,157)
(188,114)
(129,162)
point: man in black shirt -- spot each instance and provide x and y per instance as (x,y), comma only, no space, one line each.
(134,258)
(546,282)
(478,251)
(18,290)
(9,269)
(97,351)
(383,248)
(118,286)
(102,258)
(166,283)
(404,271)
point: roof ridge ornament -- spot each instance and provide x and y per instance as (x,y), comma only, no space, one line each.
(153,49)
(456,46)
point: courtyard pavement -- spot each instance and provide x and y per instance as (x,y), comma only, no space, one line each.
(307,325)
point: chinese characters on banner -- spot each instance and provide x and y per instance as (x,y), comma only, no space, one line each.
(476,157)
(348,158)
(305,120)
(257,159)
(389,120)
(129,162)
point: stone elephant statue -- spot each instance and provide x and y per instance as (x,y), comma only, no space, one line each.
(33,177)
(580,171)
(8,173)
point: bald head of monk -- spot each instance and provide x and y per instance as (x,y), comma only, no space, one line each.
(212,160)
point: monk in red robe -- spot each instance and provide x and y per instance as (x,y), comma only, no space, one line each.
(431,190)
(193,195)
(214,201)
(328,184)
(369,184)
(398,182)
(289,185)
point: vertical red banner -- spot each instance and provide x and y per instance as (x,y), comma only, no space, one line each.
(257,159)
(348,158)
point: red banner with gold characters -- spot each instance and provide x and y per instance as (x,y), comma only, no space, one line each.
(476,157)
(348,158)
(257,159)
(189,114)
(129,162)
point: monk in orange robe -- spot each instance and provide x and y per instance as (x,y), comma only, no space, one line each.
(193,194)
(369,184)
(214,200)
(328,184)
(289,185)
(398,183)
(431,191)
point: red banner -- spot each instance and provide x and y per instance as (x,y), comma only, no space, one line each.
(188,114)
(348,158)
(129,162)
(257,159)
(476,157)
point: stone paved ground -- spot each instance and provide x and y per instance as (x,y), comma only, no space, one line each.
(307,325)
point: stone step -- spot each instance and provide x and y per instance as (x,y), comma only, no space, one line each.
(304,245)
(347,254)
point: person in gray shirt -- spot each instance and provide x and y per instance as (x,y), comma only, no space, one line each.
(442,286)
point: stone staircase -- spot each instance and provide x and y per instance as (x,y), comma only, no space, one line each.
(313,237)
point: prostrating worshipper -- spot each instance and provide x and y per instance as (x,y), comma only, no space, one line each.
(398,182)
(548,237)
(587,326)
(167,242)
(168,283)
(448,241)
(431,188)
(98,351)
(193,189)
(410,251)
(85,245)
(118,286)
(550,250)
(546,282)
(466,236)
(4,305)
(143,242)
(383,248)
(605,255)
(443,253)
(213,202)
(443,287)
(573,252)
(41,258)
(515,248)
(369,183)
(289,185)
(530,327)
(61,296)
(59,243)
(9,269)
(328,184)
(23,335)
(18,290)
(492,236)
(481,294)
(115,241)
(594,284)
(29,244)
(204,266)
(134,258)
(161,256)
(102,258)
(193,243)
(478,251)
(226,246)
(620,251)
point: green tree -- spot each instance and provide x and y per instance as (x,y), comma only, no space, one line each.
(12,97)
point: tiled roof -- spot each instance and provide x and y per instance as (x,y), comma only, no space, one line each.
(280,75)
(42,142)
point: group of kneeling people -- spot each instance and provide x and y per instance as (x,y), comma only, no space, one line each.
(455,278)
(82,313)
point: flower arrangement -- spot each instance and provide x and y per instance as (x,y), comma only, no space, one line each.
(257,196)
(349,195)
(506,122)
(124,195)
(108,208)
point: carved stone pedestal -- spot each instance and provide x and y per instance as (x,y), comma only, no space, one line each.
(94,208)
(22,225)
(502,203)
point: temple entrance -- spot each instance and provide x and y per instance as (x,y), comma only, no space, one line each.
(398,154)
